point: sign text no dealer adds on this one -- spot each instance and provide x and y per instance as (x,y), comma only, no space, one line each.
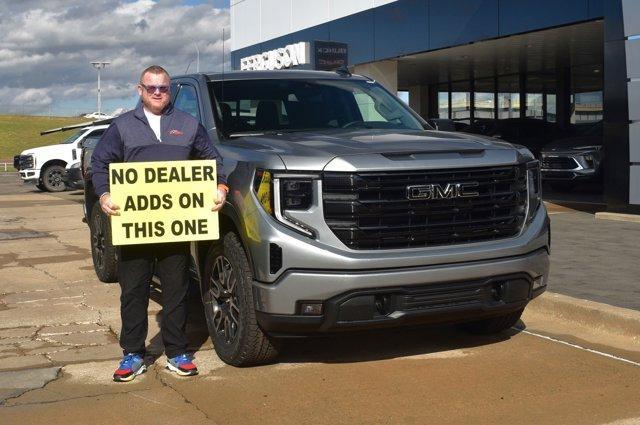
(163,202)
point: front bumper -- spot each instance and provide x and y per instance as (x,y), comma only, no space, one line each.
(432,294)
(29,175)
(569,175)
(563,167)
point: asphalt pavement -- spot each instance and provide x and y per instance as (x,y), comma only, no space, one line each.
(595,259)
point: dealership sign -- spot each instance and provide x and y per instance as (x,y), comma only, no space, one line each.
(285,57)
(330,55)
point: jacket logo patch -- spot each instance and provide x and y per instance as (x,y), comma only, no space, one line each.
(175,132)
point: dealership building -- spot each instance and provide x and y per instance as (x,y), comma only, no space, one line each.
(537,72)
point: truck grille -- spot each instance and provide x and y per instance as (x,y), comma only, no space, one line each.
(370,210)
(458,294)
(559,163)
(23,162)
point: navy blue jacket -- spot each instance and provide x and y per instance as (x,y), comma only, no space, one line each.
(129,138)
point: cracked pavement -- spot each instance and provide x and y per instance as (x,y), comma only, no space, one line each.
(59,325)
(58,348)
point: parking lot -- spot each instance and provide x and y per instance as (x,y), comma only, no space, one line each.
(59,330)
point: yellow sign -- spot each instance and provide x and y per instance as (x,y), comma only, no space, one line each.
(167,201)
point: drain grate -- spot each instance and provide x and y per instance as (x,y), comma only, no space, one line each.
(7,235)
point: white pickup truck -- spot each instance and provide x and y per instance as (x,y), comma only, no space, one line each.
(45,165)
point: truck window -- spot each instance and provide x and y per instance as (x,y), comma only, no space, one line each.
(187,100)
(73,137)
(300,105)
(91,140)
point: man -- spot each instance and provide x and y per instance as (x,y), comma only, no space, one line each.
(154,131)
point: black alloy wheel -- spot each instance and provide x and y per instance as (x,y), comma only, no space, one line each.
(227,296)
(224,302)
(104,254)
(52,178)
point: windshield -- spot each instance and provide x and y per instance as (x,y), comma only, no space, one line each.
(73,137)
(258,106)
(91,141)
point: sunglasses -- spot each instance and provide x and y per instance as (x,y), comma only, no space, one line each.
(152,89)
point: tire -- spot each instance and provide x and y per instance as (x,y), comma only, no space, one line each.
(40,186)
(493,325)
(105,255)
(52,179)
(227,297)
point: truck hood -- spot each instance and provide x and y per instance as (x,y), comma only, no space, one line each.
(569,143)
(47,150)
(313,151)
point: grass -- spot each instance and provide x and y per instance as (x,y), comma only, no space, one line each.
(18,133)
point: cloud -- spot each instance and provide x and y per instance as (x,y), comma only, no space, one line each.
(136,8)
(46,47)
(33,97)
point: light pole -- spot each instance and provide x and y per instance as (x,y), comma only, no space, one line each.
(99,65)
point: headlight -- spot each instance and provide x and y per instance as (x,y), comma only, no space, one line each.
(534,189)
(296,194)
(27,162)
(590,159)
(282,194)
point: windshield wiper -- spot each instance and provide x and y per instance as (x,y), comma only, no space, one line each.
(255,133)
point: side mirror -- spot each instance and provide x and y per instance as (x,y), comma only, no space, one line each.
(81,144)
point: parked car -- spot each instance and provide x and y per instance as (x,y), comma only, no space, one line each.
(442,124)
(346,211)
(98,116)
(575,159)
(529,132)
(45,166)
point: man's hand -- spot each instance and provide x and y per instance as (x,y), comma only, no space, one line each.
(219,202)
(108,206)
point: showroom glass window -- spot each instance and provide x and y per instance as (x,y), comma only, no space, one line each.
(586,98)
(461,102)
(508,97)
(535,103)
(443,101)
(484,99)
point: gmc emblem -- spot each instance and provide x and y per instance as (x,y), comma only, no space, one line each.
(438,191)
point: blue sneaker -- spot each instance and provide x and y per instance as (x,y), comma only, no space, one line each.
(182,365)
(131,366)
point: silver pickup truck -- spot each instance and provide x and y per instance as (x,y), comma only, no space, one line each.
(347,211)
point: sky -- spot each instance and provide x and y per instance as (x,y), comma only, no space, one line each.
(46,47)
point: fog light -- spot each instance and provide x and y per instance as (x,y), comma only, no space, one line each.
(311,309)
(539,282)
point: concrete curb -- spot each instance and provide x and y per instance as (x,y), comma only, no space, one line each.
(597,316)
(633,218)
